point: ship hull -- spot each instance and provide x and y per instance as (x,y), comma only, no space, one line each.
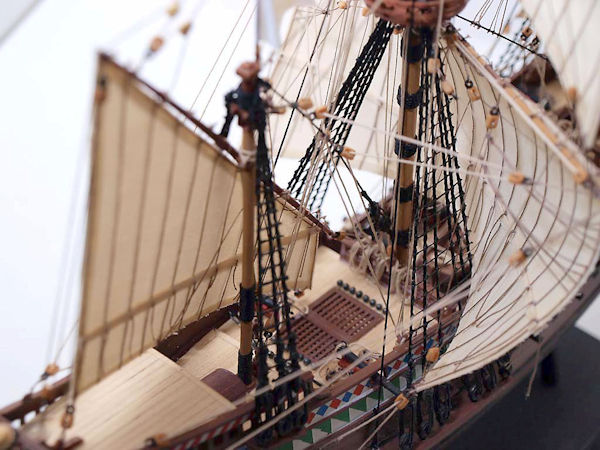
(338,415)
(338,421)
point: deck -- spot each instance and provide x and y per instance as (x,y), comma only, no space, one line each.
(153,395)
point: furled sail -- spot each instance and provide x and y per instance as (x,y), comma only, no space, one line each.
(164,228)
(549,226)
(568,30)
(316,56)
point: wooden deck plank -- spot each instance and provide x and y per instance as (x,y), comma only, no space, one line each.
(150,395)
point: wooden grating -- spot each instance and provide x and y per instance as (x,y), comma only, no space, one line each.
(333,318)
(313,341)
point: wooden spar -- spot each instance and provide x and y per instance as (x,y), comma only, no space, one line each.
(552,135)
(248,174)
(407,127)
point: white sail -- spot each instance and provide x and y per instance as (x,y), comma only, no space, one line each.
(13,15)
(336,39)
(270,15)
(267,22)
(568,30)
(555,220)
(164,229)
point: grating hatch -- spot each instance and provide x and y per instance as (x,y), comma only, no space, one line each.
(333,318)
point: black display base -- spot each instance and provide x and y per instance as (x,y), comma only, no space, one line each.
(563,411)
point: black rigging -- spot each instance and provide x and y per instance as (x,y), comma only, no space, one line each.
(274,327)
(346,105)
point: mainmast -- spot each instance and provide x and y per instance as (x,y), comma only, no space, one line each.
(420,211)
(409,100)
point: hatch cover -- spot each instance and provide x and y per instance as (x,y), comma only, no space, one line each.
(333,318)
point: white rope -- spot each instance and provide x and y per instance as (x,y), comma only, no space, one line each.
(379,427)
(409,140)
(355,428)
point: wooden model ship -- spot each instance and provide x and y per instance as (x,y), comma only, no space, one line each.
(219,310)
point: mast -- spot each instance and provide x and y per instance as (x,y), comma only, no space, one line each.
(409,100)
(242,102)
(269,290)
(248,285)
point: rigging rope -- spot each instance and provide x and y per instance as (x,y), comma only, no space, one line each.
(274,322)
(438,202)
(347,104)
(500,35)
(454,243)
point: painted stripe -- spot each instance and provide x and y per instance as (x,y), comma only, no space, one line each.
(359,402)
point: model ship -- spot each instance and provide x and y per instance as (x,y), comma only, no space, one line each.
(219,310)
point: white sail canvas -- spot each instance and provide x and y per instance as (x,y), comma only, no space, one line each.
(164,229)
(553,218)
(568,31)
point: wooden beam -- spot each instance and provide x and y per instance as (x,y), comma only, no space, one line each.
(178,344)
(35,401)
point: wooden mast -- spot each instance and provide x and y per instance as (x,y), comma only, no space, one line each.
(248,284)
(407,127)
(241,103)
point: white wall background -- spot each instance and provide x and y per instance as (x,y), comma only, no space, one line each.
(47,69)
